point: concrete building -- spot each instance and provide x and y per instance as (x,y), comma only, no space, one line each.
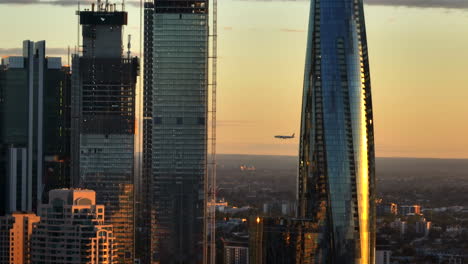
(423,226)
(103,120)
(15,236)
(386,208)
(409,210)
(236,252)
(400,226)
(72,230)
(34,127)
(382,256)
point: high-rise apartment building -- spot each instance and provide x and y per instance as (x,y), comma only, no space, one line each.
(235,252)
(15,237)
(103,120)
(72,230)
(336,159)
(175,128)
(282,240)
(34,127)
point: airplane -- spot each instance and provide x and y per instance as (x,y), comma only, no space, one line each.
(285,137)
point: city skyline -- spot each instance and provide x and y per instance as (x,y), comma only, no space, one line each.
(408,83)
(108,147)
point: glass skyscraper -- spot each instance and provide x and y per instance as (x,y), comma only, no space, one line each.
(175,129)
(336,165)
(103,121)
(34,127)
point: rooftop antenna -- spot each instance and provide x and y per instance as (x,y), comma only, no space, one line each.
(129,45)
(123,5)
(78,30)
(68,56)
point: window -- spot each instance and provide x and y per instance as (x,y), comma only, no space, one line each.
(201,121)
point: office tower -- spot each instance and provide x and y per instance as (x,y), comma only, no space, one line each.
(409,210)
(15,237)
(34,127)
(103,120)
(175,128)
(282,240)
(72,230)
(383,254)
(336,159)
(235,251)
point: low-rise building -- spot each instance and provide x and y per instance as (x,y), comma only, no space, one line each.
(423,226)
(382,256)
(386,209)
(399,225)
(409,210)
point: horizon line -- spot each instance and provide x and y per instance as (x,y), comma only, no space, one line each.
(380,157)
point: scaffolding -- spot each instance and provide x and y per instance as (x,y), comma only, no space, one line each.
(210,233)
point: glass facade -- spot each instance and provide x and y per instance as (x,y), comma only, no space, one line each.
(336,165)
(176,64)
(103,122)
(35,118)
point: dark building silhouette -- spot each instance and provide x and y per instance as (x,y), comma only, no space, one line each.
(282,241)
(175,131)
(336,185)
(34,127)
(103,121)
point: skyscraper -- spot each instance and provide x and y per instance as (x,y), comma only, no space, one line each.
(103,120)
(34,127)
(15,237)
(336,158)
(72,229)
(175,124)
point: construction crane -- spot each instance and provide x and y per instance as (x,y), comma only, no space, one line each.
(210,207)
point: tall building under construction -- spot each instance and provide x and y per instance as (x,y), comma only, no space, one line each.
(175,129)
(103,120)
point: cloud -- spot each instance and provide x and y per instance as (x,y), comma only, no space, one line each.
(456,4)
(59,2)
(448,4)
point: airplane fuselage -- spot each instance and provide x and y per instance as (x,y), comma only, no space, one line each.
(285,137)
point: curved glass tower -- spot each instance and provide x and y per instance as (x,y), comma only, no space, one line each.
(336,166)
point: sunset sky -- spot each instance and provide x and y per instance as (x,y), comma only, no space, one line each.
(418,55)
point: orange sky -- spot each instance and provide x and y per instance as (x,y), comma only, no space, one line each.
(419,64)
